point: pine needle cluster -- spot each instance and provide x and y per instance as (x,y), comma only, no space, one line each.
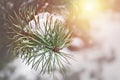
(40,46)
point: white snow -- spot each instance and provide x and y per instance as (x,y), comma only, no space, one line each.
(101,62)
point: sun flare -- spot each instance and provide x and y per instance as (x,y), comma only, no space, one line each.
(86,7)
(90,6)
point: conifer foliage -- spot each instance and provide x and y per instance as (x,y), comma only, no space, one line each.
(40,45)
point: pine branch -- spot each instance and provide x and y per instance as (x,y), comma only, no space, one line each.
(40,45)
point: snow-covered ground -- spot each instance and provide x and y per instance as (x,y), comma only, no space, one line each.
(100,62)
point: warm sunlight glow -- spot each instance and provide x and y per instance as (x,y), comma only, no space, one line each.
(90,6)
(86,8)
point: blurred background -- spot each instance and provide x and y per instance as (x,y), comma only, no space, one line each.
(95,43)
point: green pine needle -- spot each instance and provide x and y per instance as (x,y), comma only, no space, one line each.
(40,46)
